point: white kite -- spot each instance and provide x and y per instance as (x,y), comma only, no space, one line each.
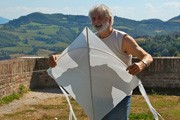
(94,76)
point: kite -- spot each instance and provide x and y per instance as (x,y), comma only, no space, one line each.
(94,76)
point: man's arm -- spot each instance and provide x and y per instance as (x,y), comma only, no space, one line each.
(131,47)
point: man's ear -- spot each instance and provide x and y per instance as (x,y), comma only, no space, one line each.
(110,20)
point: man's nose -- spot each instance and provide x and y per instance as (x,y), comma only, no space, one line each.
(96,21)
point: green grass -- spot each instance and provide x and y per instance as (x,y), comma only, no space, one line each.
(17,49)
(13,96)
(141,116)
(167,106)
(10,98)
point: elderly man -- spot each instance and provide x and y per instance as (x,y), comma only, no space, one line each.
(123,45)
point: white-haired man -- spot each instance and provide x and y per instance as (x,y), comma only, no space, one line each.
(123,45)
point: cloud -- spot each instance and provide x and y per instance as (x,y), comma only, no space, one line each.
(172,4)
(64,10)
(39,9)
(126,12)
(164,11)
(14,12)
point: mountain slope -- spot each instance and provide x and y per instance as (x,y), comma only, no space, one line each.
(175,19)
(135,28)
(51,19)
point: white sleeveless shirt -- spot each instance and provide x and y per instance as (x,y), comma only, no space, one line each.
(114,42)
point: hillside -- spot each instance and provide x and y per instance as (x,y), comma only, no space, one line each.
(37,33)
(149,27)
(135,28)
(175,19)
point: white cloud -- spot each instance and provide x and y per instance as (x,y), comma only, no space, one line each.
(172,4)
(163,11)
(37,9)
(13,12)
(126,12)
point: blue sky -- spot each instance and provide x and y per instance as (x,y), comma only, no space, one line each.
(132,9)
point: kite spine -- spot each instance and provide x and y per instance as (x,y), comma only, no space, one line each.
(90,71)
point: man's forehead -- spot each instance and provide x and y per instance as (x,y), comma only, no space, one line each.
(98,13)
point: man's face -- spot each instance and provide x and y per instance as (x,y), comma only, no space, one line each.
(99,21)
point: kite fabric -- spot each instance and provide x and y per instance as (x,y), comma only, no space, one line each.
(94,76)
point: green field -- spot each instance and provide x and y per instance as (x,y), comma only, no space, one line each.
(57,108)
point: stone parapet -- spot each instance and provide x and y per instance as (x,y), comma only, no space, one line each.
(163,73)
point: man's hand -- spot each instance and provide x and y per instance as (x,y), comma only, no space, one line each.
(53,60)
(136,68)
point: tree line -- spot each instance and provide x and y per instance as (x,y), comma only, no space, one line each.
(157,46)
(162,45)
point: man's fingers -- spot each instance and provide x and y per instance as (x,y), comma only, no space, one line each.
(133,69)
(52,61)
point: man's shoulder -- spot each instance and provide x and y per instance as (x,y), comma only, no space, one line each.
(119,32)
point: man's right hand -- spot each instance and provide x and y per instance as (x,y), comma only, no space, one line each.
(53,60)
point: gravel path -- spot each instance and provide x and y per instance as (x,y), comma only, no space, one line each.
(30,98)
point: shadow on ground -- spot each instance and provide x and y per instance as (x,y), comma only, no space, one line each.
(48,90)
(159,91)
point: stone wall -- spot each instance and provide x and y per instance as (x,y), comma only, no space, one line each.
(29,72)
(163,73)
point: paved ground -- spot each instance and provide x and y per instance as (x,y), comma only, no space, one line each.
(30,98)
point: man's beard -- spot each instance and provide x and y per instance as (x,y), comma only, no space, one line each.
(102,27)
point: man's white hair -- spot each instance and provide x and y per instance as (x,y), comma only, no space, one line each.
(104,10)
